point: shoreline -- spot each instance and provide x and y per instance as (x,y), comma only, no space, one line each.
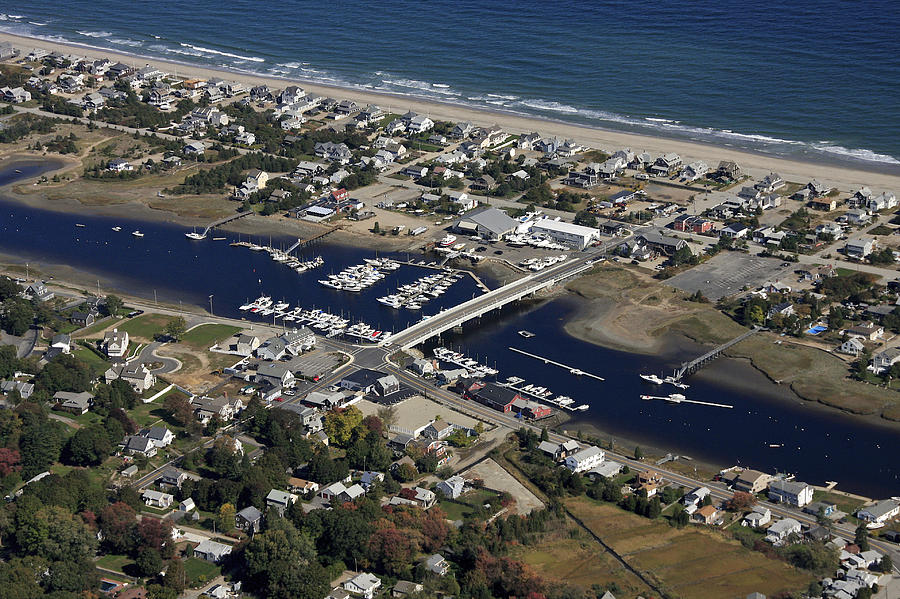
(845,174)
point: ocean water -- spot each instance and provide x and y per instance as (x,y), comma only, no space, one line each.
(816,81)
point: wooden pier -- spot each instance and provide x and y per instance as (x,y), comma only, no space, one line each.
(571,369)
(697,363)
(222,221)
(302,243)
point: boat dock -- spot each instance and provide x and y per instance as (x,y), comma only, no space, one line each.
(302,243)
(571,369)
(542,394)
(697,363)
(682,399)
(222,221)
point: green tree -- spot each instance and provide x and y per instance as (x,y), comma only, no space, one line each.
(638,453)
(282,563)
(862,537)
(175,328)
(114,304)
(89,446)
(176,578)
(148,561)
(339,425)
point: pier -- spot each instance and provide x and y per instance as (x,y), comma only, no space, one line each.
(571,369)
(301,243)
(697,363)
(222,221)
(681,399)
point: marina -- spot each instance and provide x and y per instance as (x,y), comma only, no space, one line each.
(321,321)
(458,359)
(542,394)
(412,296)
(360,276)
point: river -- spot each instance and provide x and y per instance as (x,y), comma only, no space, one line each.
(817,445)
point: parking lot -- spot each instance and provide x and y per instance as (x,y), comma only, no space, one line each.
(730,272)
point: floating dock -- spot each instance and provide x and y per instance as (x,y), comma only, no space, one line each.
(681,399)
(571,369)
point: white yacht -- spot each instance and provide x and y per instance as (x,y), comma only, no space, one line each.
(652,378)
(137,233)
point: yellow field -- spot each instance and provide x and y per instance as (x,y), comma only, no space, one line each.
(693,562)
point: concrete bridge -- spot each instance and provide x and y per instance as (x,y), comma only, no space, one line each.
(493,300)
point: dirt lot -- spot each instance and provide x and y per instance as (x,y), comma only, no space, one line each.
(495,477)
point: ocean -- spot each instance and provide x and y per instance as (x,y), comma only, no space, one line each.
(814,81)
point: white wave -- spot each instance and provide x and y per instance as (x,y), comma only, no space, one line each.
(503,97)
(156,37)
(218,53)
(858,153)
(420,85)
(94,33)
(661,120)
(289,65)
(185,52)
(125,42)
(16,16)
(550,106)
(440,85)
(36,23)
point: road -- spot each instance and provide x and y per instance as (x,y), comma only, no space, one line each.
(149,355)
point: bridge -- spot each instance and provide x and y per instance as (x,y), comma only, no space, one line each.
(697,363)
(492,300)
(222,221)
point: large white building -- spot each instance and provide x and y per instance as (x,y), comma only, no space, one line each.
(576,236)
(584,460)
(791,492)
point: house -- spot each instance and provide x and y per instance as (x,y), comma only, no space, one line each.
(885,201)
(695,170)
(187,505)
(728,169)
(370,478)
(362,380)
(275,374)
(559,451)
(135,444)
(76,403)
(415,171)
(781,530)
(387,385)
(483,183)
(758,517)
(438,429)
(493,396)
(249,519)
(82,319)
(246,344)
(424,498)
(791,492)
(734,231)
(25,389)
(859,249)
(751,481)
(135,374)
(211,551)
(157,498)
(826,508)
(351,493)
(858,217)
(62,342)
(708,514)
(332,491)
(663,244)
(280,500)
(171,477)
(363,585)
(453,487)
(575,236)
(491,224)
(585,459)
(115,344)
(422,367)
(823,204)
(436,564)
(666,164)
(817,189)
(160,435)
(301,486)
(692,224)
(880,512)
(222,408)
(119,165)
(883,360)
(867,331)
(194,147)
(404,588)
(852,347)
(696,496)
(462,130)
(38,291)
(463,199)
(771,182)
(784,309)
(606,469)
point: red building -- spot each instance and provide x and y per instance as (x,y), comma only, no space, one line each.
(340,195)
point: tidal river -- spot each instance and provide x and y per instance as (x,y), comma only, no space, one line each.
(817,445)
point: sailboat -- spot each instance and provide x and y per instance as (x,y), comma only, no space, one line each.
(195,235)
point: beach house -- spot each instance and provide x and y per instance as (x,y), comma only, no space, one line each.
(584,460)
(791,492)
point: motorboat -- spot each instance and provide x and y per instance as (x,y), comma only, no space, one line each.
(137,233)
(79,225)
(526,334)
(447,241)
(117,229)
(652,378)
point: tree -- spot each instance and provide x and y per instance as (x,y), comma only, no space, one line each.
(175,328)
(180,408)
(118,523)
(339,425)
(114,304)
(281,562)
(638,453)
(887,565)
(148,561)
(9,461)
(176,578)
(225,518)
(740,501)
(89,446)
(862,537)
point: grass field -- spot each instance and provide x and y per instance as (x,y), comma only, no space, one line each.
(146,326)
(114,562)
(691,562)
(199,571)
(95,328)
(97,364)
(207,335)
(468,503)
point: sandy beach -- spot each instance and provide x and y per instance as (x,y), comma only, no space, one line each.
(757,165)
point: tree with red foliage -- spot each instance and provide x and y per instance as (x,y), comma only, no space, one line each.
(118,523)
(740,501)
(408,493)
(373,423)
(390,549)
(435,529)
(9,461)
(156,533)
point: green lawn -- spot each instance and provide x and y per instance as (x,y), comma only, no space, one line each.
(207,335)
(200,571)
(92,359)
(468,504)
(114,562)
(96,327)
(146,414)
(146,326)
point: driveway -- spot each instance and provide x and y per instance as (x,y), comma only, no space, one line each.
(149,355)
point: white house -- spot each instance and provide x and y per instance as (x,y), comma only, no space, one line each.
(157,498)
(115,343)
(794,493)
(363,585)
(759,516)
(211,551)
(585,459)
(883,360)
(880,512)
(781,530)
(852,347)
(453,487)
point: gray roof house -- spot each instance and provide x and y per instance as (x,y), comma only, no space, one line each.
(453,487)
(249,519)
(437,564)
(211,551)
(77,403)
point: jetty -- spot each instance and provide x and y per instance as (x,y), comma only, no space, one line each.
(697,363)
(677,398)
(571,369)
